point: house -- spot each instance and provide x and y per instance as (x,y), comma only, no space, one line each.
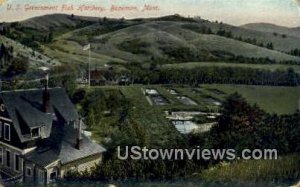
(97,78)
(41,137)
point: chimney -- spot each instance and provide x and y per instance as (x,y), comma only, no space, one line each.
(79,138)
(46,96)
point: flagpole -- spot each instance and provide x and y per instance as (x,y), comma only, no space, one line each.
(90,66)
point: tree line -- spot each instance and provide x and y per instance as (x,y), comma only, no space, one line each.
(27,36)
(214,74)
(12,65)
(295,52)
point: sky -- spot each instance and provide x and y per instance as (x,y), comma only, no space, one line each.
(235,12)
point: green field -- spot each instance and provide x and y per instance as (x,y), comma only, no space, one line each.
(280,100)
(273,99)
(271,67)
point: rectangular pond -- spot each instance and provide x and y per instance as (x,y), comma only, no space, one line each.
(186,100)
(158,100)
(186,127)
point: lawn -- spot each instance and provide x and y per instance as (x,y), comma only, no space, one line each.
(160,131)
(280,100)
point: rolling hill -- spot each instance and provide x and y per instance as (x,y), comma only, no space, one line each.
(271,28)
(57,22)
(165,39)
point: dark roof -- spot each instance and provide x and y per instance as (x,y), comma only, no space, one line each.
(63,148)
(97,75)
(24,107)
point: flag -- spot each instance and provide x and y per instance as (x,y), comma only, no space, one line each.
(87,47)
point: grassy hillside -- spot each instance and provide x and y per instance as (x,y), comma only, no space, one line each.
(36,59)
(58,22)
(71,52)
(280,43)
(271,28)
(164,41)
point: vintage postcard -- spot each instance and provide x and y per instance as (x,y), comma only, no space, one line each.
(150,93)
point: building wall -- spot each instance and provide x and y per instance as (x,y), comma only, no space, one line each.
(43,175)
(13,152)
(37,174)
(81,165)
(28,178)
(51,170)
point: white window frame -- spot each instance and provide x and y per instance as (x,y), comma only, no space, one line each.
(26,173)
(7,157)
(2,157)
(39,131)
(7,125)
(1,126)
(56,175)
(15,155)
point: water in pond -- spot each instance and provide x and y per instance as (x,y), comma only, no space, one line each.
(185,127)
(159,100)
(185,100)
(214,102)
(151,92)
(173,92)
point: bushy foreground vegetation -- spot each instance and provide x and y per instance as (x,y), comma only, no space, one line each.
(240,126)
(285,168)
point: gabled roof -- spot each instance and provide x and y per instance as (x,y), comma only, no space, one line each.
(97,75)
(62,148)
(24,107)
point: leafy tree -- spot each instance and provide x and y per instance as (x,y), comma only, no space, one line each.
(18,66)
(270,46)
(50,37)
(244,126)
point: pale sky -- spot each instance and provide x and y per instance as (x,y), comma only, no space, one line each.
(236,12)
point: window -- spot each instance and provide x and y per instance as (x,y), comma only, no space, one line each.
(6,132)
(28,171)
(1,155)
(53,175)
(7,158)
(17,162)
(35,133)
(1,129)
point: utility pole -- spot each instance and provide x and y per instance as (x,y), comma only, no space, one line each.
(90,66)
(88,47)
